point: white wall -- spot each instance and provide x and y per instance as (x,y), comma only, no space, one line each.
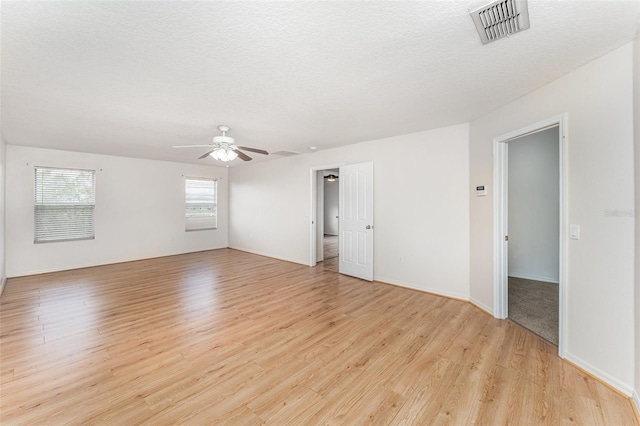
(598,100)
(420,207)
(139,211)
(3,166)
(534,206)
(3,162)
(636,109)
(331,207)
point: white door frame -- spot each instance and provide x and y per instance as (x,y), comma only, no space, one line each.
(500,221)
(319,219)
(313,215)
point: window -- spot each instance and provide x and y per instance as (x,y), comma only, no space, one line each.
(64,204)
(200,196)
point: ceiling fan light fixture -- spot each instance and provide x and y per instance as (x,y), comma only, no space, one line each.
(223,148)
(331,178)
(224,154)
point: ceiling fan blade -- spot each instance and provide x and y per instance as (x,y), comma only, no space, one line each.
(259,151)
(190,146)
(206,154)
(242,155)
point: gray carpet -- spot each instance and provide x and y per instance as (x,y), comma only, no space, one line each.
(534,305)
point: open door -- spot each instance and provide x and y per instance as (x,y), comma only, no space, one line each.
(356,221)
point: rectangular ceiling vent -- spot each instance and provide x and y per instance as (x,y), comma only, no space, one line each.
(501,19)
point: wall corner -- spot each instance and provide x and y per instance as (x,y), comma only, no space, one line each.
(636,149)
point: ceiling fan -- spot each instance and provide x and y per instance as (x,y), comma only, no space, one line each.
(224,149)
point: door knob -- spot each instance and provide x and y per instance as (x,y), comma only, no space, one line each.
(368,226)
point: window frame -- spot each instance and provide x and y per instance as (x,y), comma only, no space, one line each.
(213,204)
(43,207)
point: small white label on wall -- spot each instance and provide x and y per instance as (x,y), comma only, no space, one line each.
(480,191)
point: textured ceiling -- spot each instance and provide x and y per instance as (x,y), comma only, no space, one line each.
(134,78)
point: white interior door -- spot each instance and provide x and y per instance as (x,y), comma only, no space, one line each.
(356,221)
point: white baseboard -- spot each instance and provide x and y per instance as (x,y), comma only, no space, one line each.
(601,375)
(2,284)
(114,261)
(437,292)
(636,400)
(273,256)
(481,305)
(533,277)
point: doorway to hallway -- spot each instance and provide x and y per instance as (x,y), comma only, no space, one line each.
(330,222)
(520,260)
(330,248)
(534,234)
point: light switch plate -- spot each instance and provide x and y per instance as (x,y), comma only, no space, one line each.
(574,232)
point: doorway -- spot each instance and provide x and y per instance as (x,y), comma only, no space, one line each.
(355,222)
(533,206)
(530,234)
(318,214)
(330,206)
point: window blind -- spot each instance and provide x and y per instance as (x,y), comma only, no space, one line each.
(200,204)
(64,204)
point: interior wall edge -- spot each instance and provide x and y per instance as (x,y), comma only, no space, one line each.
(635,398)
(477,303)
(550,280)
(94,265)
(430,290)
(3,212)
(273,256)
(622,387)
(636,137)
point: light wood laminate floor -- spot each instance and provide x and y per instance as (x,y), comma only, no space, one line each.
(330,246)
(331,259)
(226,337)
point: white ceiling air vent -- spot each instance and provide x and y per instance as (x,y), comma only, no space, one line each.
(501,19)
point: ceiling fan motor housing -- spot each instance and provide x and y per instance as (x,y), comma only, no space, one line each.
(225,140)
